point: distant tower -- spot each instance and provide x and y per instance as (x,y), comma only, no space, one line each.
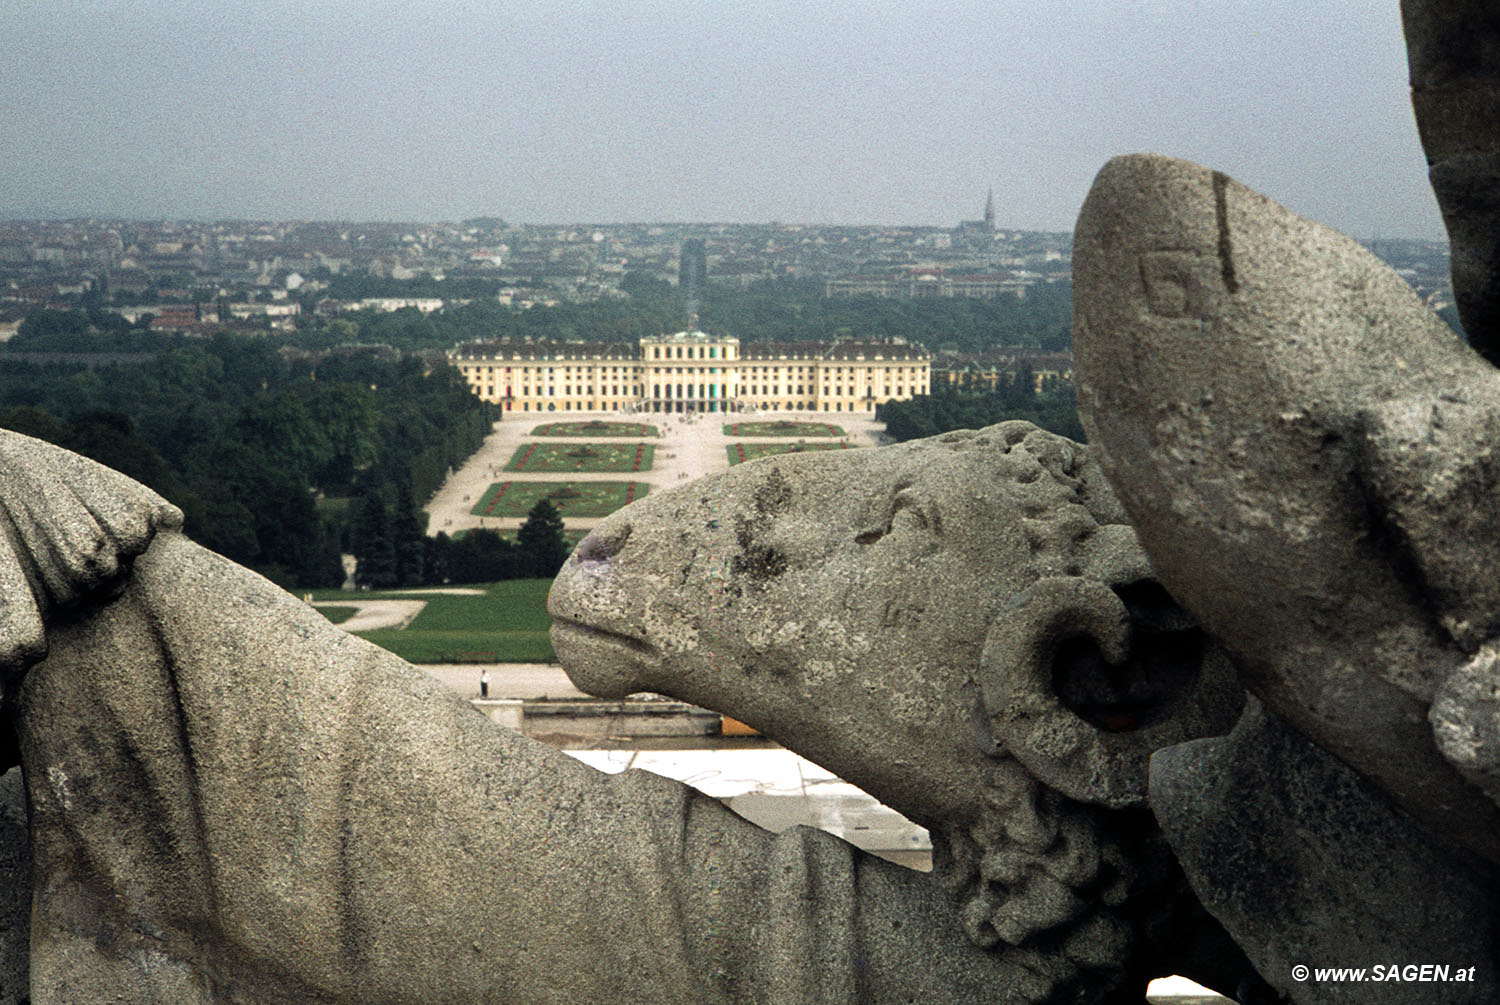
(989,212)
(692,273)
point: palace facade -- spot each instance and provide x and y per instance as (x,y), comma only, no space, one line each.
(693,372)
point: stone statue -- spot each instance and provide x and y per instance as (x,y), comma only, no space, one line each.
(963,626)
(1305,862)
(1452,47)
(233,800)
(1309,457)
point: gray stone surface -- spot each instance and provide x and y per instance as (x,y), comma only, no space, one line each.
(962,626)
(1452,48)
(233,800)
(1308,455)
(1307,863)
(15,892)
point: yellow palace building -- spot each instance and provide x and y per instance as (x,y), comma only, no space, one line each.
(693,371)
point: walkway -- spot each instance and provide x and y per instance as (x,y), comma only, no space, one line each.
(687,447)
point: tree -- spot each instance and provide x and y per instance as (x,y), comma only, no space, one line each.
(350,421)
(407,539)
(246,443)
(53,329)
(949,408)
(109,438)
(540,541)
(479,556)
(374,545)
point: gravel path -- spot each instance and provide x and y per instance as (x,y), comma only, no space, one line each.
(687,447)
(373,614)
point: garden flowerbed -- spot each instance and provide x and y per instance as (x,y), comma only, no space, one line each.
(783,427)
(610,457)
(574,499)
(594,428)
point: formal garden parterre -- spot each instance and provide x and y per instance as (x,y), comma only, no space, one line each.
(595,427)
(571,499)
(783,427)
(590,457)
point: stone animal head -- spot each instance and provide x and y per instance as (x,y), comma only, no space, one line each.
(964,626)
(1309,455)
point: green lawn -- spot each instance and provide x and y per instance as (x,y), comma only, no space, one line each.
(338,614)
(739,453)
(570,498)
(595,428)
(582,457)
(783,427)
(570,537)
(508,623)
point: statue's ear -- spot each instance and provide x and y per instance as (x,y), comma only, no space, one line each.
(69,528)
(1082,681)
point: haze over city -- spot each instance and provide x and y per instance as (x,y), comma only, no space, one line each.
(834,113)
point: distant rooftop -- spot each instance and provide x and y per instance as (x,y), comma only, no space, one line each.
(692,336)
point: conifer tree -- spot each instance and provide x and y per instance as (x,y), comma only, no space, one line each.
(374,546)
(540,540)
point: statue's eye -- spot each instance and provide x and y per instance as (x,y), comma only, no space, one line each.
(911,510)
(907,510)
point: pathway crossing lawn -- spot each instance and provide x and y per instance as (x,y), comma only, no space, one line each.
(508,623)
(783,427)
(739,453)
(570,498)
(595,428)
(540,457)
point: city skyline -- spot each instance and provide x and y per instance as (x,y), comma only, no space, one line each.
(845,114)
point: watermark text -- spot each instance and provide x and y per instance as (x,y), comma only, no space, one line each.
(1387,973)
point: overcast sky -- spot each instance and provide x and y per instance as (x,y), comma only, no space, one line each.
(897,111)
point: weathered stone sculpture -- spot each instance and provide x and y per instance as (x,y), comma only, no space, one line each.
(233,800)
(1307,863)
(1453,47)
(963,626)
(1308,455)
